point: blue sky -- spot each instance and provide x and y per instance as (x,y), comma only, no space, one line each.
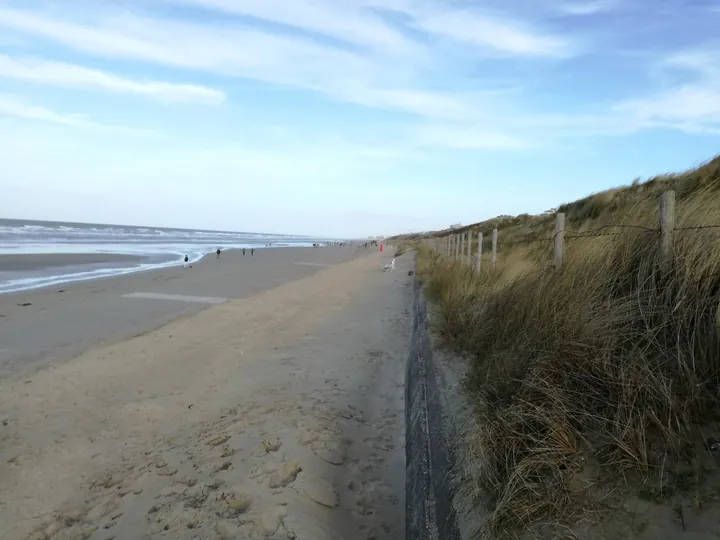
(345,117)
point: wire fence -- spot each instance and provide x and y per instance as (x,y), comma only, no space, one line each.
(461,246)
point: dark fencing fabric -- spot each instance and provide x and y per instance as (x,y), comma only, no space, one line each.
(429,454)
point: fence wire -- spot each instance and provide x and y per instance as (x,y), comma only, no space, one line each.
(696,227)
(543,258)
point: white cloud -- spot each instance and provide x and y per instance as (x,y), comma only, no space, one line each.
(692,106)
(359,22)
(379,65)
(232,50)
(70,76)
(588,7)
(497,35)
(704,63)
(468,138)
(344,20)
(11,106)
(421,102)
(16,107)
(387,79)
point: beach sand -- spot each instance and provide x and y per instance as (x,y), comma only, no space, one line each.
(43,327)
(275,415)
(38,261)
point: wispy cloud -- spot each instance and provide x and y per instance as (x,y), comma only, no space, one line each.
(11,106)
(14,106)
(587,7)
(468,138)
(388,75)
(495,35)
(352,22)
(227,49)
(72,76)
(692,105)
(383,54)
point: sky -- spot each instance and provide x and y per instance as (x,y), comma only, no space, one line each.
(345,118)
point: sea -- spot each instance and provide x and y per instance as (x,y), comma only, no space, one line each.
(154,247)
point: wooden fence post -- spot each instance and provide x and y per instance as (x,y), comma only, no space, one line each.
(493,255)
(457,246)
(479,252)
(667,225)
(559,241)
(469,248)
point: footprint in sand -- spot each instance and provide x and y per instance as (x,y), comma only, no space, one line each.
(195,496)
(308,436)
(286,475)
(271,445)
(330,451)
(227,529)
(268,523)
(236,500)
(175,517)
(320,491)
(370,495)
(384,443)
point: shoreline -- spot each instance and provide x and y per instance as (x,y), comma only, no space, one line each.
(22,272)
(38,271)
(67,318)
(23,262)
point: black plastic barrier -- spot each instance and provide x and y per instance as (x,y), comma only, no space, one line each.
(429,450)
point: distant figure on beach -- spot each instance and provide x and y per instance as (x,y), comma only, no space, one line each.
(380,248)
(243,252)
(218,253)
(187,262)
(252,251)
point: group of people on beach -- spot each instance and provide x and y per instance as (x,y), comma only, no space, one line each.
(186,260)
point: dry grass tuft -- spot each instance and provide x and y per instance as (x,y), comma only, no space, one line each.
(601,375)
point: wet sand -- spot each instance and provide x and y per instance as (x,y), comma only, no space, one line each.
(275,415)
(40,261)
(45,326)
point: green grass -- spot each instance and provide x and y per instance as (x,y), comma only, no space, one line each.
(610,363)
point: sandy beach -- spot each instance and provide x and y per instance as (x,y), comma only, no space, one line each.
(275,413)
(39,261)
(45,326)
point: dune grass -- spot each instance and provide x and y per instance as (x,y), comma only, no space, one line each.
(601,378)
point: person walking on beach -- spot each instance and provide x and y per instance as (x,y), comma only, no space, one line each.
(187,262)
(252,251)
(218,253)
(243,252)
